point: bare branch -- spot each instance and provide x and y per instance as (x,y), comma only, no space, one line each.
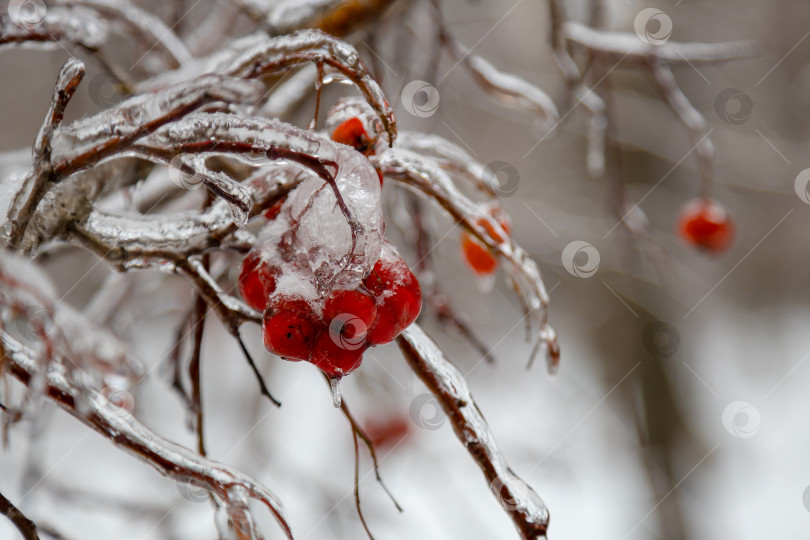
(27,528)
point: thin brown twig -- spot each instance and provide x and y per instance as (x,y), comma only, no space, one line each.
(27,528)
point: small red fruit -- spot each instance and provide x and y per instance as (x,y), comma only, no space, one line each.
(399,298)
(333,358)
(256,281)
(478,257)
(705,224)
(352,133)
(387,432)
(289,328)
(350,313)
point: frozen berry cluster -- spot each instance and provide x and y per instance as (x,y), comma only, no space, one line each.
(333,330)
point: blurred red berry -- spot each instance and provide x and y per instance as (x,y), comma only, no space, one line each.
(478,257)
(289,328)
(387,432)
(256,281)
(704,223)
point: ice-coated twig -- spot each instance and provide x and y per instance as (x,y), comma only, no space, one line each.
(580,91)
(144,26)
(74,29)
(36,182)
(691,118)
(452,158)
(528,512)
(81,33)
(425,177)
(150,240)
(284,52)
(227,486)
(194,372)
(88,141)
(350,177)
(617,46)
(509,89)
(26,527)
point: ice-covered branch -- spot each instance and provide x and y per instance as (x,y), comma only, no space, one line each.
(151,31)
(147,240)
(229,488)
(284,52)
(507,88)
(35,184)
(445,381)
(617,46)
(88,141)
(82,33)
(425,177)
(690,117)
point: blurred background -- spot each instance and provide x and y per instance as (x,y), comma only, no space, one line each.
(678,410)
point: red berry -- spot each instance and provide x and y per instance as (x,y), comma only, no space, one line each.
(350,314)
(704,223)
(352,133)
(387,432)
(256,281)
(289,328)
(478,257)
(399,298)
(333,358)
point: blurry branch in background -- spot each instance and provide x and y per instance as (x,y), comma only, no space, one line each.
(606,51)
(27,528)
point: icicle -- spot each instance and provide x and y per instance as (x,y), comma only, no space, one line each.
(334,382)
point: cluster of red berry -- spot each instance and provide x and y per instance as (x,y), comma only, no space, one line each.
(333,332)
(705,224)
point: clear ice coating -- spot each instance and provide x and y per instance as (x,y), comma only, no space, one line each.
(446,382)
(133,117)
(314,222)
